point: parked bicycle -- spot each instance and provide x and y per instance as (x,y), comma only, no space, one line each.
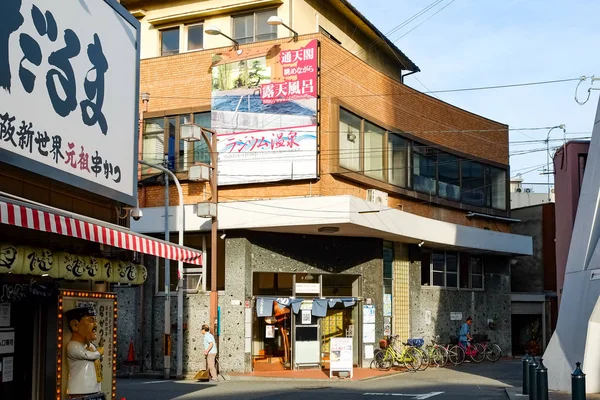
(456,354)
(390,355)
(492,351)
(438,355)
(474,351)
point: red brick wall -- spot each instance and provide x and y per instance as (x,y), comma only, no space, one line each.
(184,80)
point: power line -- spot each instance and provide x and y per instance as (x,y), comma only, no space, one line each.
(426,19)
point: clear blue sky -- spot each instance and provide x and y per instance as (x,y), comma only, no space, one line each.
(474,43)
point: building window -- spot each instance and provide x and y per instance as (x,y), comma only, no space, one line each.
(253,27)
(350,138)
(162,137)
(373,153)
(473,184)
(169,41)
(195,37)
(388,267)
(471,272)
(449,176)
(452,270)
(398,160)
(423,169)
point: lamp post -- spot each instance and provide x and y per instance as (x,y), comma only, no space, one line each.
(275,20)
(215,31)
(181,229)
(195,133)
(561,126)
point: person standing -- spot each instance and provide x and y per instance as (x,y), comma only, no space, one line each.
(464,334)
(210,351)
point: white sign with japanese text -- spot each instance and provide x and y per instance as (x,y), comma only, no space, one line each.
(264,110)
(7,342)
(68,93)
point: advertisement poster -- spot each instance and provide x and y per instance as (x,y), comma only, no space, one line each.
(269,331)
(368,314)
(306,317)
(369,333)
(387,305)
(341,354)
(264,110)
(104,323)
(7,369)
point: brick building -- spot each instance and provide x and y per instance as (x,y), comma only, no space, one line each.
(393,208)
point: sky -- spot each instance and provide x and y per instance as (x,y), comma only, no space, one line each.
(474,43)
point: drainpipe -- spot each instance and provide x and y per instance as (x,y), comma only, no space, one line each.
(405,75)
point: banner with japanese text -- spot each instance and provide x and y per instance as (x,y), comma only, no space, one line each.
(264,110)
(68,93)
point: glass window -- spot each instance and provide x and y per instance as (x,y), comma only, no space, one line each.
(153,144)
(424,176)
(264,31)
(169,39)
(185,148)
(388,266)
(451,269)
(438,269)
(171,148)
(349,140)
(373,151)
(473,183)
(498,187)
(464,271)
(449,176)
(201,153)
(254,27)
(476,273)
(195,37)
(397,152)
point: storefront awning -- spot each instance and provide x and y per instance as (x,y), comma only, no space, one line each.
(51,220)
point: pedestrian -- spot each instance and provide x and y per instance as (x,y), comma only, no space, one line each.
(210,351)
(464,333)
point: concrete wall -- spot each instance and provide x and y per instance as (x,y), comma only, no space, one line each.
(528,274)
(491,303)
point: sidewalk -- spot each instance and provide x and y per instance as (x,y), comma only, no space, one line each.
(360,374)
(514,393)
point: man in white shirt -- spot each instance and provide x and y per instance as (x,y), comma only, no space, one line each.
(81,353)
(210,351)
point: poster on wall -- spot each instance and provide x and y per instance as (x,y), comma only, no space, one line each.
(4,315)
(7,342)
(264,110)
(88,343)
(387,305)
(60,115)
(7,369)
(306,317)
(456,316)
(369,333)
(269,331)
(368,314)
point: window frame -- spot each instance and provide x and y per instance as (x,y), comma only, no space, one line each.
(254,26)
(166,142)
(459,257)
(160,42)
(187,40)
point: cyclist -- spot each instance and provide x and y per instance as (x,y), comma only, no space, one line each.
(464,333)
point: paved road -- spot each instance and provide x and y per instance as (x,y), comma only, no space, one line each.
(469,381)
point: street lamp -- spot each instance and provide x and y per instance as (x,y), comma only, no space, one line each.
(181,229)
(196,133)
(275,20)
(215,31)
(561,126)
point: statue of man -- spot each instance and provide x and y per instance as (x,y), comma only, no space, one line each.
(81,353)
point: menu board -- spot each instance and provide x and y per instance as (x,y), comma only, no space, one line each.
(340,355)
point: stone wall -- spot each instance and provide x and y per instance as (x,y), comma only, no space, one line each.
(481,305)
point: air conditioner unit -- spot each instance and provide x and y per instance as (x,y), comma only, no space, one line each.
(377,196)
(527,190)
(519,190)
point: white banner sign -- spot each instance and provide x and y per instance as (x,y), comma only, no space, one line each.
(308,288)
(7,342)
(340,355)
(68,93)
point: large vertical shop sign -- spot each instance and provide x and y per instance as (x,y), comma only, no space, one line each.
(87,340)
(68,93)
(264,110)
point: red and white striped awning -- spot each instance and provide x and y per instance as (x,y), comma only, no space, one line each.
(17,213)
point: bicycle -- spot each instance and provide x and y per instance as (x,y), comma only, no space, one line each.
(474,351)
(492,351)
(417,345)
(437,354)
(456,354)
(389,356)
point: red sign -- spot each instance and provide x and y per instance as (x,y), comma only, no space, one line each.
(299,73)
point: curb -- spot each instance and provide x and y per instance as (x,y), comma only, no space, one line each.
(516,393)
